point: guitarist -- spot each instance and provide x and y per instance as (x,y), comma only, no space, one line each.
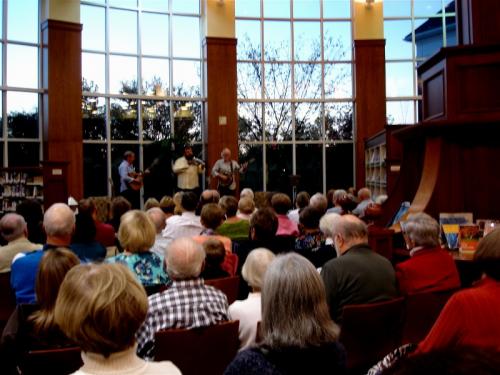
(128,177)
(225,170)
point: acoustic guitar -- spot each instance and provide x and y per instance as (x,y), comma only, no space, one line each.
(230,175)
(137,182)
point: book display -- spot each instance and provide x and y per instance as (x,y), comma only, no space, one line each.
(17,184)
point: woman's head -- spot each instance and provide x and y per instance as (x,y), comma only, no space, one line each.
(309,218)
(488,254)
(291,280)
(100,307)
(230,205)
(137,232)
(422,230)
(150,203)
(85,229)
(255,267)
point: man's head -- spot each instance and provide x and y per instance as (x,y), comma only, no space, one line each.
(188,152)
(87,206)
(364,194)
(212,216)
(129,156)
(281,203)
(348,231)
(12,227)
(226,154)
(309,218)
(319,202)
(263,225)
(230,205)
(184,259)
(167,205)
(189,201)
(246,206)
(215,252)
(209,196)
(158,218)
(247,193)
(59,224)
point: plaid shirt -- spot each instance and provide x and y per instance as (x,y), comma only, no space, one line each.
(185,304)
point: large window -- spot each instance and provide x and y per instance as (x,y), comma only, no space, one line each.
(141,69)
(414,30)
(20,89)
(295,93)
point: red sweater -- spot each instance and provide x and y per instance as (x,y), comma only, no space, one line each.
(428,270)
(470,318)
(105,234)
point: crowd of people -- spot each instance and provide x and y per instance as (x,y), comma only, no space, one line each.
(109,287)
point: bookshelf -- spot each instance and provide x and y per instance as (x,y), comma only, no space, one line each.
(17,184)
(375,167)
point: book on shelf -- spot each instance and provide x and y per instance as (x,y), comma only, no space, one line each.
(469,236)
(450,227)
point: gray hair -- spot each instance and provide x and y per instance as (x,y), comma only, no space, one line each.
(59,220)
(339,195)
(327,223)
(319,202)
(157,216)
(184,259)
(12,227)
(247,193)
(292,281)
(364,193)
(422,230)
(255,266)
(350,228)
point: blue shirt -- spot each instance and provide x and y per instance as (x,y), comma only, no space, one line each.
(124,169)
(147,266)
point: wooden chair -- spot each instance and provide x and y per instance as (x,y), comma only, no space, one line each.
(228,285)
(53,361)
(421,311)
(7,299)
(207,350)
(370,331)
(380,240)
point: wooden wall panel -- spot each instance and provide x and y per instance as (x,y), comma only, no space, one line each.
(478,21)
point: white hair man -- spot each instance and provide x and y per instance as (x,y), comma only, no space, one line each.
(247,193)
(187,303)
(158,217)
(59,225)
(365,199)
(319,202)
(14,230)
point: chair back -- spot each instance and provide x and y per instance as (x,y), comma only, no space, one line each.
(53,361)
(207,350)
(370,331)
(7,299)
(421,311)
(228,285)
(380,240)
(230,264)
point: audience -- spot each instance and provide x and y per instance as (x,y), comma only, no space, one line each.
(326,224)
(247,193)
(234,227)
(159,220)
(365,199)
(299,336)
(177,202)
(83,242)
(246,207)
(167,205)
(329,198)
(248,311)
(214,257)
(59,224)
(212,216)
(150,203)
(137,236)
(185,225)
(14,230)
(319,202)
(359,275)
(281,204)
(32,211)
(338,197)
(206,197)
(100,307)
(430,268)
(301,202)
(188,303)
(119,206)
(105,233)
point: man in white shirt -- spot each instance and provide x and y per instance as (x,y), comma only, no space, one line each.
(365,199)
(187,168)
(159,220)
(185,225)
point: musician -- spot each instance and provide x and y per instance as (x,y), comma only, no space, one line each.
(225,170)
(128,176)
(187,168)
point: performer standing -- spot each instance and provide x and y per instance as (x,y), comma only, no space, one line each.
(225,170)
(130,181)
(187,168)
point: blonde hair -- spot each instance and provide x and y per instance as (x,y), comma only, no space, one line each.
(255,267)
(150,203)
(137,232)
(100,307)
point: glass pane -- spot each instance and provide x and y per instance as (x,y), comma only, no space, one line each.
(397,8)
(338,81)
(22,66)
(279,168)
(124,119)
(117,151)
(310,168)
(277,8)
(122,31)
(278,81)
(306,8)
(337,41)
(187,121)
(307,81)
(93,32)
(428,36)
(22,115)
(337,8)
(451,31)
(186,6)
(155,77)
(339,166)
(278,121)
(158,159)
(400,112)
(250,121)
(22,22)
(252,178)
(154,34)
(307,39)
(398,39)
(247,8)
(123,3)
(122,74)
(94,118)
(338,121)
(187,78)
(427,7)
(248,35)
(276,40)
(155,120)
(93,76)
(157,5)
(95,175)
(249,80)
(399,79)
(308,121)
(1,35)
(186,37)
(24,154)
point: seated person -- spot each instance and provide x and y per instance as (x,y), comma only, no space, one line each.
(159,220)
(301,202)
(137,236)
(281,204)
(302,342)
(83,242)
(167,205)
(119,206)
(32,326)
(248,311)
(337,198)
(234,227)
(186,223)
(319,202)
(430,268)
(215,254)
(105,233)
(100,307)
(150,203)
(365,199)
(211,218)
(246,208)
(190,303)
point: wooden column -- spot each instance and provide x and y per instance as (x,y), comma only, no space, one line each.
(61,101)
(221,105)
(370,111)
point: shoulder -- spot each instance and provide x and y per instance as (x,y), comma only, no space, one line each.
(163,367)
(250,361)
